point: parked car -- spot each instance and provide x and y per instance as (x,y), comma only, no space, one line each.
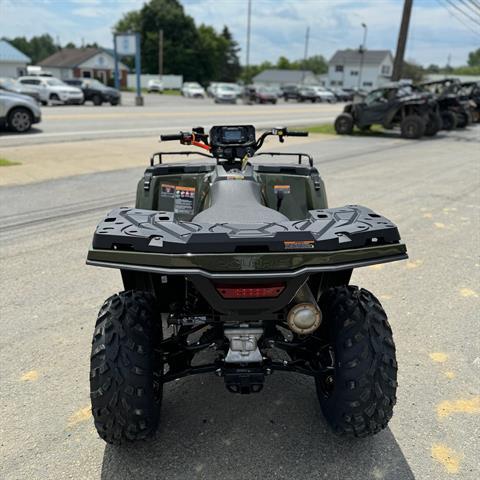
(225,93)
(10,85)
(324,95)
(53,90)
(18,112)
(307,94)
(155,85)
(342,95)
(193,90)
(290,92)
(95,91)
(265,95)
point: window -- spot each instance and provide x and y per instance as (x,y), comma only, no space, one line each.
(385,69)
(354,73)
(367,84)
(333,83)
(339,68)
(340,83)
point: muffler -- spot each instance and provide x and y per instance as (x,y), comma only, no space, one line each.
(305,316)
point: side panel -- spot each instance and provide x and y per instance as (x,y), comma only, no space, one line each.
(164,194)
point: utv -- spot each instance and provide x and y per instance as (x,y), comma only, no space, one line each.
(454,110)
(471,92)
(240,269)
(392,106)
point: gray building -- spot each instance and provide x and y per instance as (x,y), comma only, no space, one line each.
(277,78)
(13,63)
(353,69)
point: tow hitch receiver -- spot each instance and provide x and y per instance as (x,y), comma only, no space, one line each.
(244,380)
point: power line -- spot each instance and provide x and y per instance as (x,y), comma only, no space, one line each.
(470,8)
(454,5)
(475,4)
(451,12)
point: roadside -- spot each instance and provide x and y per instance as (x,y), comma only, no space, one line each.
(50,161)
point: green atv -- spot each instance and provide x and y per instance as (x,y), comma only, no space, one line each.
(240,269)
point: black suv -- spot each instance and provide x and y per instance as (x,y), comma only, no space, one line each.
(95,91)
(289,92)
(416,113)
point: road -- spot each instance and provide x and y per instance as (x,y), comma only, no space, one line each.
(161,112)
(50,298)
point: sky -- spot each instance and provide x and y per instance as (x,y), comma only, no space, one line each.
(438,31)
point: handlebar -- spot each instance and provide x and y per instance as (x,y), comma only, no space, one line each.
(297,134)
(168,138)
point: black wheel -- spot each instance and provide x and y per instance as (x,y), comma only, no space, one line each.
(344,124)
(19,120)
(449,121)
(358,396)
(54,97)
(125,371)
(433,125)
(412,126)
(462,120)
(114,103)
(97,100)
(44,103)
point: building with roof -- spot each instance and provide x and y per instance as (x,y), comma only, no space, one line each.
(13,63)
(276,77)
(356,69)
(96,63)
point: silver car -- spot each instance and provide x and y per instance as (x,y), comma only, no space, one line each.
(18,112)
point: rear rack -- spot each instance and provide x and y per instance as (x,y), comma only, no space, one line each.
(287,154)
(160,155)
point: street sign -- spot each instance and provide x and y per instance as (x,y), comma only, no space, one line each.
(126,44)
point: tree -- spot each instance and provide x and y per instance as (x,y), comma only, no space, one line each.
(197,53)
(432,68)
(474,58)
(37,48)
(412,71)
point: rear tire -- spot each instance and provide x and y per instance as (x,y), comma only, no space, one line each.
(462,120)
(361,394)
(449,121)
(412,127)
(97,100)
(125,373)
(344,124)
(433,125)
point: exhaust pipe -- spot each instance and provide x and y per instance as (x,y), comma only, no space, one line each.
(305,317)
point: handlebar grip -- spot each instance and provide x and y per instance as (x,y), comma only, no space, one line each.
(297,134)
(168,138)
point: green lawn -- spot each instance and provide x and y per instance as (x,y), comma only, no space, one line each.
(7,163)
(328,129)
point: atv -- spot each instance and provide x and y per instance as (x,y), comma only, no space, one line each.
(454,109)
(392,106)
(240,269)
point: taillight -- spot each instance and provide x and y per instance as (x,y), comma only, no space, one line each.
(250,291)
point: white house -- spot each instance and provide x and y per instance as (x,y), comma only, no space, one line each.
(13,63)
(84,63)
(356,69)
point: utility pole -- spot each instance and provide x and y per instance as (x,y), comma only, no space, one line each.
(402,41)
(362,53)
(160,54)
(249,22)
(305,54)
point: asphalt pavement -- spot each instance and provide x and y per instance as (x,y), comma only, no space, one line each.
(167,113)
(50,298)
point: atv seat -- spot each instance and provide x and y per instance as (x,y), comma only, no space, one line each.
(237,201)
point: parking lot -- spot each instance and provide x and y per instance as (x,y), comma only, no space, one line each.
(50,298)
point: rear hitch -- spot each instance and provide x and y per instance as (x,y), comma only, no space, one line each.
(244,380)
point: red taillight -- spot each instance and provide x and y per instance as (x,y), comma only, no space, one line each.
(250,291)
